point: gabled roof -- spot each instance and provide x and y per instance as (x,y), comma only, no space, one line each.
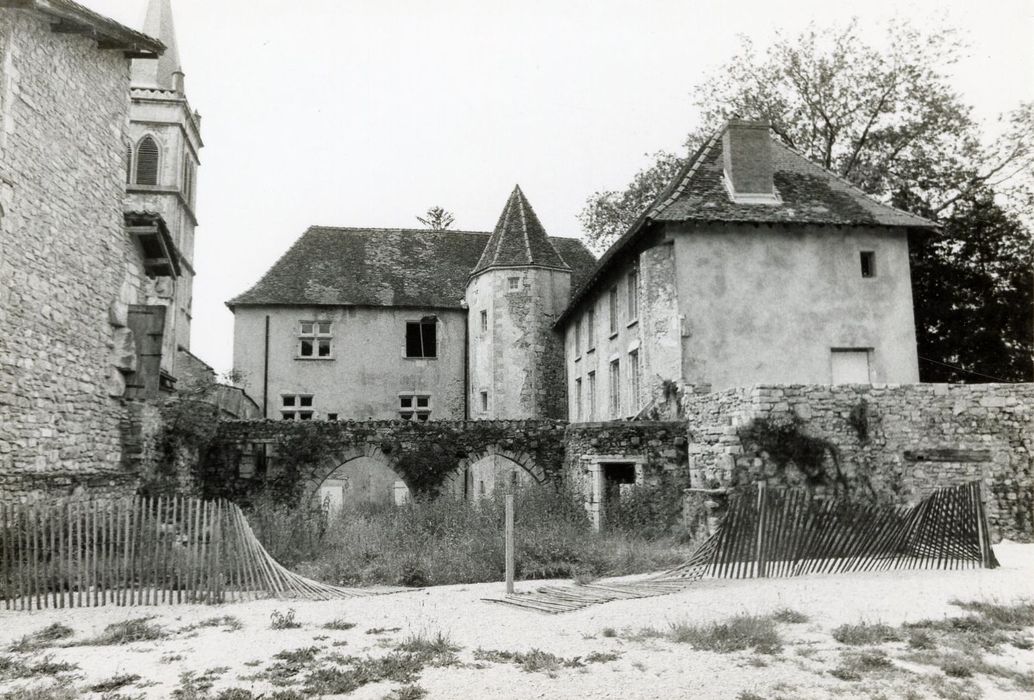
(810,194)
(519,240)
(72,17)
(386,267)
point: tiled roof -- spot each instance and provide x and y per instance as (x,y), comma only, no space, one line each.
(386,267)
(810,194)
(518,239)
(75,17)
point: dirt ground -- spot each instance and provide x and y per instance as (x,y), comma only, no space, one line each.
(626,664)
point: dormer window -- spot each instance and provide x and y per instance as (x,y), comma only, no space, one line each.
(147,155)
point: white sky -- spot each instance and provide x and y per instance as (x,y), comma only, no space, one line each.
(367,112)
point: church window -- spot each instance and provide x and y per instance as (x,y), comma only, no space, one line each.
(147,162)
(315,340)
(422,337)
(296,407)
(413,405)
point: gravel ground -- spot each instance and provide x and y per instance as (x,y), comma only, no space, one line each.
(644,668)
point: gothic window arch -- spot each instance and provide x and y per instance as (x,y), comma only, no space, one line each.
(147,159)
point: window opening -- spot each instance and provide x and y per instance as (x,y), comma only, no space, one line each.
(615,389)
(868,259)
(315,339)
(147,162)
(415,406)
(613,309)
(514,283)
(590,330)
(633,294)
(296,407)
(422,337)
(633,380)
(484,321)
(591,403)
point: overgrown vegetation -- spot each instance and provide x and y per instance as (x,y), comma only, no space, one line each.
(139,629)
(43,638)
(757,632)
(866,633)
(786,443)
(283,620)
(537,660)
(450,540)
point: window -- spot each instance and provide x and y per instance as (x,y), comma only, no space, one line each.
(422,337)
(484,401)
(129,163)
(578,338)
(484,321)
(590,330)
(633,295)
(331,416)
(412,405)
(615,389)
(147,162)
(613,310)
(578,398)
(591,398)
(514,283)
(633,380)
(868,259)
(296,407)
(314,339)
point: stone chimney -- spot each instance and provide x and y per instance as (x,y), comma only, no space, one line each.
(747,151)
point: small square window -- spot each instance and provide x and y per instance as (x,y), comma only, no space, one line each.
(414,406)
(305,415)
(288,400)
(406,401)
(868,260)
(287,415)
(305,401)
(423,401)
(315,339)
(307,327)
(514,283)
(324,327)
(306,347)
(331,416)
(405,415)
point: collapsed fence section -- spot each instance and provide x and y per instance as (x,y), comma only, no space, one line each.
(139,551)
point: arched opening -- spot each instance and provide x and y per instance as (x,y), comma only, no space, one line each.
(359,482)
(147,156)
(496,473)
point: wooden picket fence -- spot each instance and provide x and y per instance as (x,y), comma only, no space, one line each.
(789,532)
(768,532)
(139,551)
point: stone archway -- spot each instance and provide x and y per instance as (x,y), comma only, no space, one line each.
(493,468)
(358,477)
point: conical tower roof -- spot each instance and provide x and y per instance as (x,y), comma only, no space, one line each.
(519,239)
(162,72)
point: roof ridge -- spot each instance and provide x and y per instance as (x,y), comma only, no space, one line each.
(691,168)
(525,232)
(848,183)
(379,229)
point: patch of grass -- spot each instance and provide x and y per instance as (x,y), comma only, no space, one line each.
(56,691)
(855,665)
(195,686)
(789,616)
(236,694)
(866,633)
(602,657)
(43,638)
(340,624)
(11,667)
(283,621)
(921,639)
(406,692)
(736,634)
(297,656)
(116,682)
(958,665)
(608,632)
(972,633)
(950,689)
(438,646)
(382,630)
(1013,617)
(170,658)
(136,630)
(537,660)
(747,695)
(231,623)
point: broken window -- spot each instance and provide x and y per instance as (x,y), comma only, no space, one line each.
(315,339)
(412,405)
(296,407)
(422,337)
(868,259)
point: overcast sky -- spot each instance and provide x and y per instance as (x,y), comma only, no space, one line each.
(367,112)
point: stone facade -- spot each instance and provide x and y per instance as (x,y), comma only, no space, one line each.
(64,256)
(895,442)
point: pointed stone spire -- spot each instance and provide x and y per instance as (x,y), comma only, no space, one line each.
(519,239)
(166,72)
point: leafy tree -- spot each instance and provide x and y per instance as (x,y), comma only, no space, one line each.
(887,120)
(436,219)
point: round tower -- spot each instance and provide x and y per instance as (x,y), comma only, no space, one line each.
(516,291)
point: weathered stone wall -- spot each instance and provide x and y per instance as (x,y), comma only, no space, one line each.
(897,441)
(63,257)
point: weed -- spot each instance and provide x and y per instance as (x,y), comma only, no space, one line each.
(136,630)
(195,686)
(114,683)
(538,660)
(339,643)
(235,694)
(231,623)
(338,624)
(406,692)
(921,639)
(56,691)
(382,630)
(790,616)
(959,665)
(438,647)
(608,632)
(865,633)
(747,695)
(736,634)
(1007,617)
(602,657)
(283,621)
(298,656)
(42,638)
(11,667)
(170,658)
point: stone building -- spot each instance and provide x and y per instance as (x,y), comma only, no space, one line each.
(373,324)
(753,266)
(65,255)
(97,176)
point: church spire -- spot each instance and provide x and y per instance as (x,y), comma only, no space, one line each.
(519,240)
(166,73)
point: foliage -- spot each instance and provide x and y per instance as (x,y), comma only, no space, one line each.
(43,638)
(139,629)
(450,540)
(858,418)
(290,533)
(283,621)
(116,682)
(786,443)
(436,219)
(651,511)
(885,117)
(790,616)
(864,633)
